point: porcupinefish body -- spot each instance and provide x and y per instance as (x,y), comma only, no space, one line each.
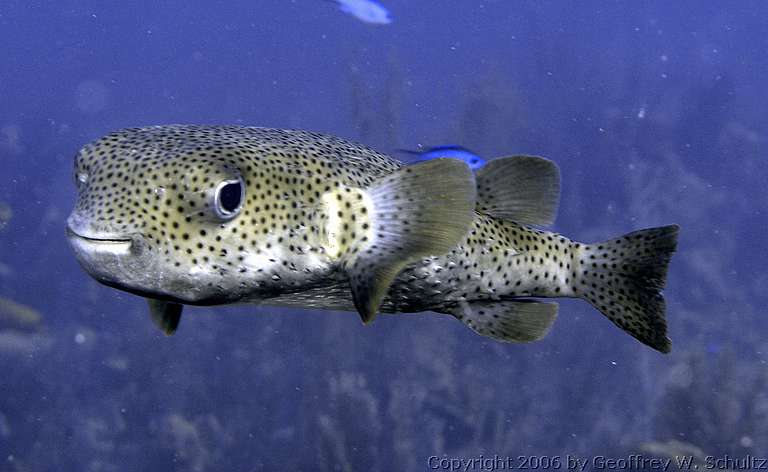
(212,215)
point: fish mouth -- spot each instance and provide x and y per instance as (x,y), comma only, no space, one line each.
(101,243)
(112,259)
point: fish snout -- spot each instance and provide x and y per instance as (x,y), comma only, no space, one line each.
(76,224)
(129,262)
(107,256)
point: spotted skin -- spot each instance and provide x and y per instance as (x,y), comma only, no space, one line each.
(498,259)
(305,216)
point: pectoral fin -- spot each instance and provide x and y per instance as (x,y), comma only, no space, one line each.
(420,210)
(510,321)
(525,189)
(166,315)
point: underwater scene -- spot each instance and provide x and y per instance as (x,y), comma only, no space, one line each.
(362,235)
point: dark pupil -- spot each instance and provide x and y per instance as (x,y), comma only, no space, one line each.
(229,197)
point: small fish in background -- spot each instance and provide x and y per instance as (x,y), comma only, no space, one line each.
(456,152)
(368,11)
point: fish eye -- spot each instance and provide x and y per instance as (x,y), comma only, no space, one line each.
(228,198)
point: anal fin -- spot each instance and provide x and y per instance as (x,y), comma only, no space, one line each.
(165,315)
(510,321)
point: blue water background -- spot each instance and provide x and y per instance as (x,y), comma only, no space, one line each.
(654,111)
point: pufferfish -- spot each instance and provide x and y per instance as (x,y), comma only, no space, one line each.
(214,215)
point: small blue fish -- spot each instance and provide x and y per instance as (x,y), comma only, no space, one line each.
(369,11)
(457,152)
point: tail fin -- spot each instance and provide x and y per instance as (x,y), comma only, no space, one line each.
(623,278)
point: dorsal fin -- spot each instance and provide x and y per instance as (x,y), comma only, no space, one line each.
(419,210)
(524,189)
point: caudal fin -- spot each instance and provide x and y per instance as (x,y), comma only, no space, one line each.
(623,278)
